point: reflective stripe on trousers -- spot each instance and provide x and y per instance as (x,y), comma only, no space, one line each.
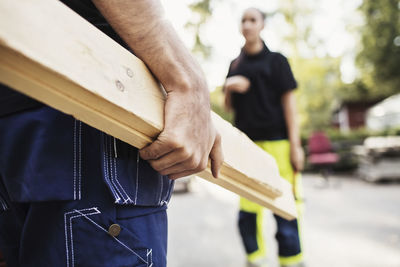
(251,223)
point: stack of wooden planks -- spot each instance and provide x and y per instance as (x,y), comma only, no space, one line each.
(50,53)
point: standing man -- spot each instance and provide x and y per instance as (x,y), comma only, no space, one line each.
(259,89)
(71,195)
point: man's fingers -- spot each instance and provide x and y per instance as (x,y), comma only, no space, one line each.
(300,166)
(295,165)
(157,149)
(168,160)
(191,166)
(216,156)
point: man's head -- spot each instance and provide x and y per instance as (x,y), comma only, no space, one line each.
(252,24)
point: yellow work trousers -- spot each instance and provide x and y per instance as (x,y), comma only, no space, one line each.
(251,214)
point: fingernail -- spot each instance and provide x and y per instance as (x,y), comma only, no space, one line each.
(216,174)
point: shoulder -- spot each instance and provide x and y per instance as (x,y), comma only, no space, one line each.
(278,57)
(234,63)
(279,61)
(235,59)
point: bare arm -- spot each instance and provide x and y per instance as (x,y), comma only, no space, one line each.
(189,137)
(296,151)
(228,100)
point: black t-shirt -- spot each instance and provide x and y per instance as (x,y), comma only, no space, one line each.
(259,112)
(11,101)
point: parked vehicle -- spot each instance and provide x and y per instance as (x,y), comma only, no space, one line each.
(379,158)
(385,114)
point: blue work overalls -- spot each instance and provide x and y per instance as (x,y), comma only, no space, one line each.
(71,195)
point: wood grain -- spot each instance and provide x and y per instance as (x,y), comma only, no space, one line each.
(53,55)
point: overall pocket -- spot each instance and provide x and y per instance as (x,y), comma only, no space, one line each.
(93,239)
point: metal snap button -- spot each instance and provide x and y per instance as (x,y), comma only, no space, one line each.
(114,230)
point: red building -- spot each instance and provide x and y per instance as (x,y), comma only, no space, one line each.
(352,114)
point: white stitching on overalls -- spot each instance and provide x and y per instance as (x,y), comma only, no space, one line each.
(72,237)
(110,169)
(74,163)
(105,167)
(109,159)
(66,231)
(80,160)
(151,257)
(149,262)
(106,170)
(116,239)
(169,192)
(3,203)
(137,176)
(127,199)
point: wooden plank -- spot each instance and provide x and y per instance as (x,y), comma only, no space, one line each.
(44,92)
(282,206)
(70,65)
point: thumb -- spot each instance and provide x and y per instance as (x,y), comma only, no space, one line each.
(216,156)
(157,149)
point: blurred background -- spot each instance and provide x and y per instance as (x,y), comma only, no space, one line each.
(345,56)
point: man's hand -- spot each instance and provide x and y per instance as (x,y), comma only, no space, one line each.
(296,151)
(189,137)
(187,141)
(238,83)
(297,157)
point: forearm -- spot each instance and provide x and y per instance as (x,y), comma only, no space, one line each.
(290,112)
(228,98)
(142,25)
(189,138)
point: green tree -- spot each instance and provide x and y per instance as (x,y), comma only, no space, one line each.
(201,11)
(319,80)
(217,99)
(379,56)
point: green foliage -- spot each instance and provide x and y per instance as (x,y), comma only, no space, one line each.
(379,57)
(202,11)
(294,12)
(356,136)
(217,104)
(320,87)
(318,80)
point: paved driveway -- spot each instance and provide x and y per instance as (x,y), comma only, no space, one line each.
(348,223)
